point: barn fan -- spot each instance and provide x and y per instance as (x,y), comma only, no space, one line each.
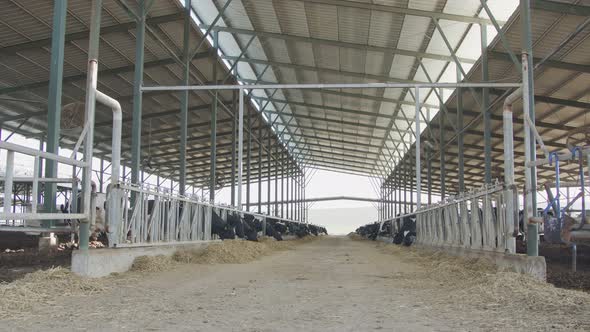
(72,119)
(578,137)
(147,162)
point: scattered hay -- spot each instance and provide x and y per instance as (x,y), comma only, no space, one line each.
(450,278)
(152,263)
(235,251)
(356,237)
(44,287)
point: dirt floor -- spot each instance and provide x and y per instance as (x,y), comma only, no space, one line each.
(331,284)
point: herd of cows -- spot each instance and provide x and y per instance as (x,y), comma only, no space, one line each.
(249,228)
(402,230)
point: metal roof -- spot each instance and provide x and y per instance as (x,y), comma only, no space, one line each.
(308,41)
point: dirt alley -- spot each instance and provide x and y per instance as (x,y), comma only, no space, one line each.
(332,284)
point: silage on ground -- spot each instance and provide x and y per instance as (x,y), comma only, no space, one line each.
(44,287)
(479,283)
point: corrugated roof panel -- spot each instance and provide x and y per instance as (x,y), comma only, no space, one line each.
(353,25)
(292,18)
(301,53)
(413,32)
(375,63)
(262,15)
(352,60)
(428,5)
(401,66)
(385,28)
(277,50)
(327,56)
(453,31)
(322,20)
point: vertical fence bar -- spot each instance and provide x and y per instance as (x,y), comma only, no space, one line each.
(240,144)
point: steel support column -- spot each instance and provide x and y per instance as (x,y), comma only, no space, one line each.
(529,143)
(276,212)
(248,160)
(138,94)
(212,171)
(441,144)
(269,163)
(240,144)
(260,137)
(54,100)
(233,150)
(417,144)
(485,102)
(460,135)
(184,97)
(282,183)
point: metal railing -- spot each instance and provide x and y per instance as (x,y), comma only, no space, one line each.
(150,215)
(35,180)
(479,220)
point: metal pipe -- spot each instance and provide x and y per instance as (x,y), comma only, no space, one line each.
(511,209)
(117,132)
(91,93)
(582,184)
(332,86)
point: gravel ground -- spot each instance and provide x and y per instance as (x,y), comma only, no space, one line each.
(332,284)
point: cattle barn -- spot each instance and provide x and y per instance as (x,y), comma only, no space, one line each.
(294,165)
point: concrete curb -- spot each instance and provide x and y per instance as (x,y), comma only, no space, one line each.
(533,266)
(96,263)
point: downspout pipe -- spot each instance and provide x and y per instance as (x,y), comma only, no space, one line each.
(92,96)
(511,199)
(90,102)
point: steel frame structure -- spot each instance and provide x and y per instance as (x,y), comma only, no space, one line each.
(285,142)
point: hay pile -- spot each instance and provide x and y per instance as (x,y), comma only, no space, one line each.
(44,287)
(152,263)
(449,278)
(234,251)
(225,252)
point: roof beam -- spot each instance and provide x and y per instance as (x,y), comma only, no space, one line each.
(549,63)
(364,47)
(79,77)
(330,108)
(320,69)
(403,11)
(122,27)
(561,7)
